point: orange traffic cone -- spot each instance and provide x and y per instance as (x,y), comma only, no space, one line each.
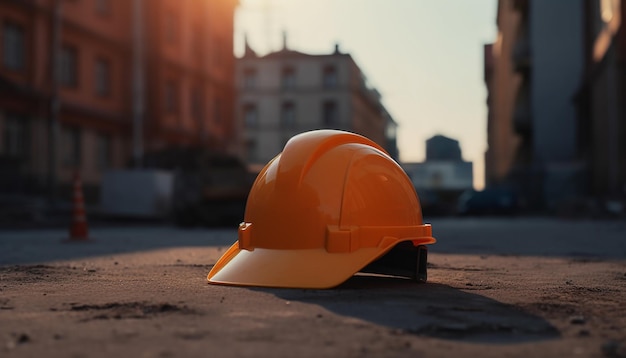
(78,230)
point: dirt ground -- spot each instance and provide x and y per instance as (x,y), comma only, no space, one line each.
(88,300)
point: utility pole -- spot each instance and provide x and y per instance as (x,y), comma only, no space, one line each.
(138,89)
(53,117)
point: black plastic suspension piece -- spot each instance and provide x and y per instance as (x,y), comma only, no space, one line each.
(404,260)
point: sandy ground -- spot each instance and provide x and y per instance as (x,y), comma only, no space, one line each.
(497,288)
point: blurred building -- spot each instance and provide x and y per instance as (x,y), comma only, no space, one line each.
(391,138)
(288,92)
(502,83)
(562,62)
(442,177)
(190,70)
(443,148)
(185,98)
(445,175)
(602,111)
(536,69)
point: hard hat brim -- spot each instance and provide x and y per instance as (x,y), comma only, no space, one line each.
(308,268)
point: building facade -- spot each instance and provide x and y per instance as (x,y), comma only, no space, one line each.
(190,74)
(440,147)
(567,111)
(554,74)
(544,48)
(502,83)
(76,113)
(602,112)
(288,92)
(442,177)
(444,168)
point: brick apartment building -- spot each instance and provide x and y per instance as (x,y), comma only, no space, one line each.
(186,96)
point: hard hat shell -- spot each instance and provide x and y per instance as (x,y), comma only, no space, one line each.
(328,205)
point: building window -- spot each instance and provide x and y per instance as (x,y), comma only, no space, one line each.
(171,27)
(103,7)
(13,46)
(329,79)
(250,116)
(103,77)
(218,51)
(196,40)
(104,151)
(71,147)
(252,150)
(196,104)
(288,115)
(249,78)
(330,115)
(171,97)
(288,78)
(217,110)
(16,138)
(68,61)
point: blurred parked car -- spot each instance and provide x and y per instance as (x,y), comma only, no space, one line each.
(437,203)
(496,201)
(16,208)
(210,188)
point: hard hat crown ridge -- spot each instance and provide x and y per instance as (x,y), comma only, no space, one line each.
(331,203)
(312,145)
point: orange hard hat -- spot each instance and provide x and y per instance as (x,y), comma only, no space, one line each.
(329,205)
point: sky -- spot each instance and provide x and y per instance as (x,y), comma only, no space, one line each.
(424,56)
